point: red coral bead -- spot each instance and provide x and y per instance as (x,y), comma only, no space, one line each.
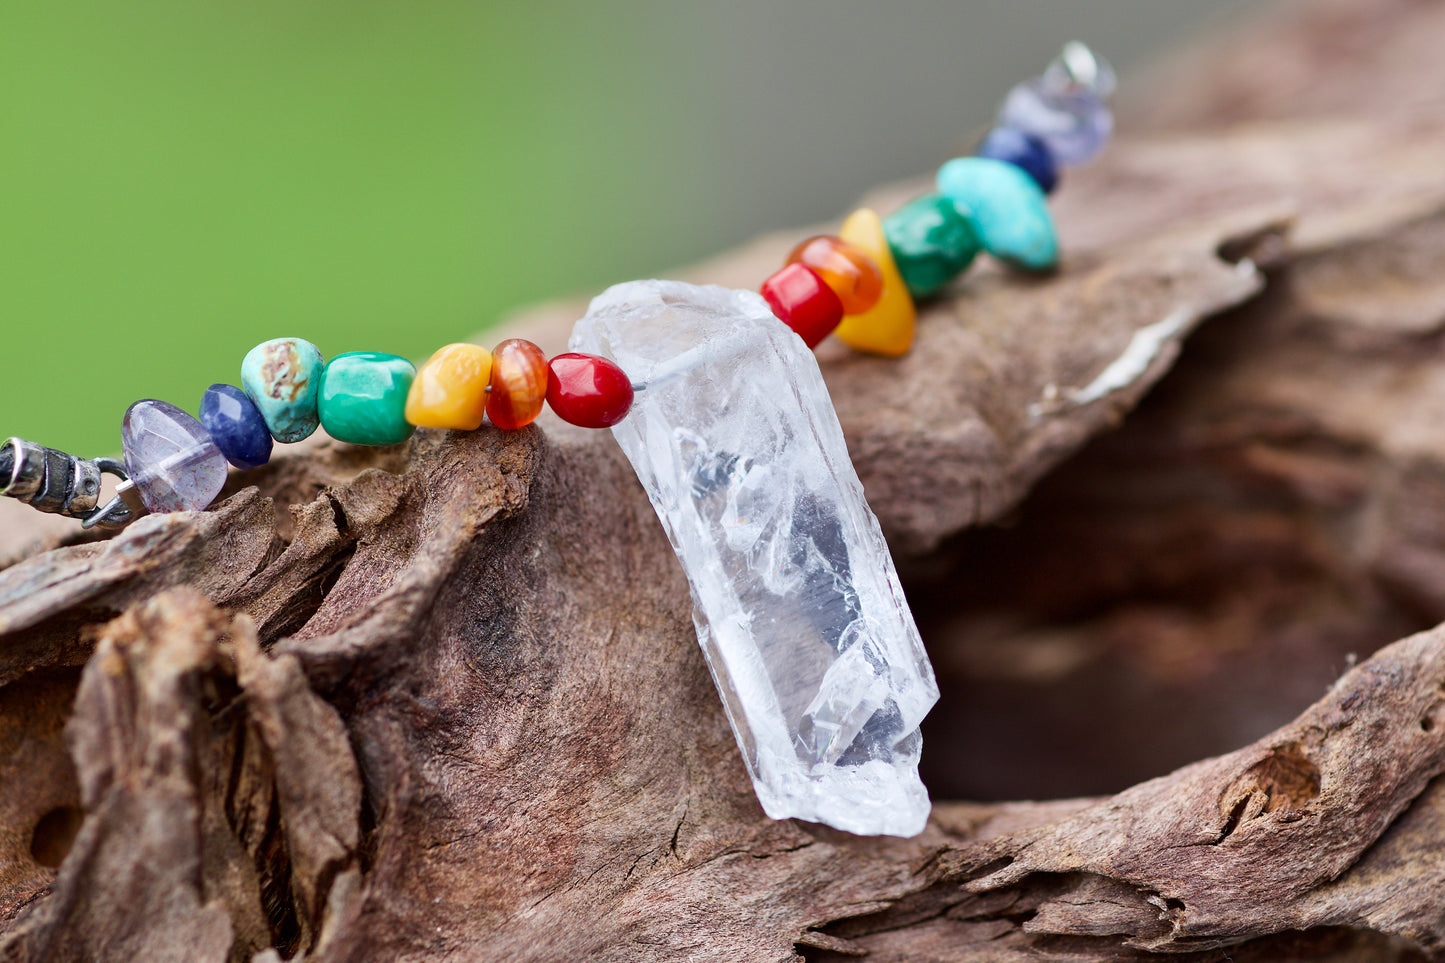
(802,301)
(587,390)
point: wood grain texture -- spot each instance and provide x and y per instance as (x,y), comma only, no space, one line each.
(443,701)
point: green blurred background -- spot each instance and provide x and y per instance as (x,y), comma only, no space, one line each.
(184,179)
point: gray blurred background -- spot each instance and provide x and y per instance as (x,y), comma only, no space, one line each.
(800,107)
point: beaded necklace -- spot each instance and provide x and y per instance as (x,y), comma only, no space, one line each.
(860,285)
(797,604)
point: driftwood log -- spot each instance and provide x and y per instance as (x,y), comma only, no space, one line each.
(443,701)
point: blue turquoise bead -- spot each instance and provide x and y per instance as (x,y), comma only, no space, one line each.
(1024,151)
(363,398)
(236,426)
(283,377)
(1007,209)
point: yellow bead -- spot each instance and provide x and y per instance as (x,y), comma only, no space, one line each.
(450,390)
(887,327)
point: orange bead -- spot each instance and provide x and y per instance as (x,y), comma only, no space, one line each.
(845,268)
(450,390)
(519,383)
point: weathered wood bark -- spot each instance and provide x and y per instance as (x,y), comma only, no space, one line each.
(444,701)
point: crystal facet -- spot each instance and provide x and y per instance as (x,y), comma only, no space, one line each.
(1074,122)
(795,599)
(171,459)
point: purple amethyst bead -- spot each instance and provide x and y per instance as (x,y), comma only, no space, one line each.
(236,426)
(1075,123)
(1022,150)
(170,458)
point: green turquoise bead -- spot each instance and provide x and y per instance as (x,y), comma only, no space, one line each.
(1007,208)
(931,243)
(282,377)
(363,398)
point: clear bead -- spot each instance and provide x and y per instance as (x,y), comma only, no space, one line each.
(1074,123)
(1078,67)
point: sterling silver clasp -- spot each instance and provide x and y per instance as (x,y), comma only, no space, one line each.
(61,484)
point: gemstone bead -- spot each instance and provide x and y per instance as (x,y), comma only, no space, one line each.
(931,243)
(363,398)
(1078,66)
(802,301)
(519,384)
(236,426)
(282,377)
(588,390)
(170,458)
(887,327)
(849,272)
(450,390)
(1006,208)
(1024,151)
(1074,122)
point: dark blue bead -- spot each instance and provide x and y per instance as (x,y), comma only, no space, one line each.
(236,426)
(1022,150)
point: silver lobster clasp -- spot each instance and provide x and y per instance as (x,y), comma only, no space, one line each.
(53,481)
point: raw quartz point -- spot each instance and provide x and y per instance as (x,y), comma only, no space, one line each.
(170,457)
(796,602)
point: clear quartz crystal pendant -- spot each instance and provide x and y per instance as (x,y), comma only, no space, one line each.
(795,599)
